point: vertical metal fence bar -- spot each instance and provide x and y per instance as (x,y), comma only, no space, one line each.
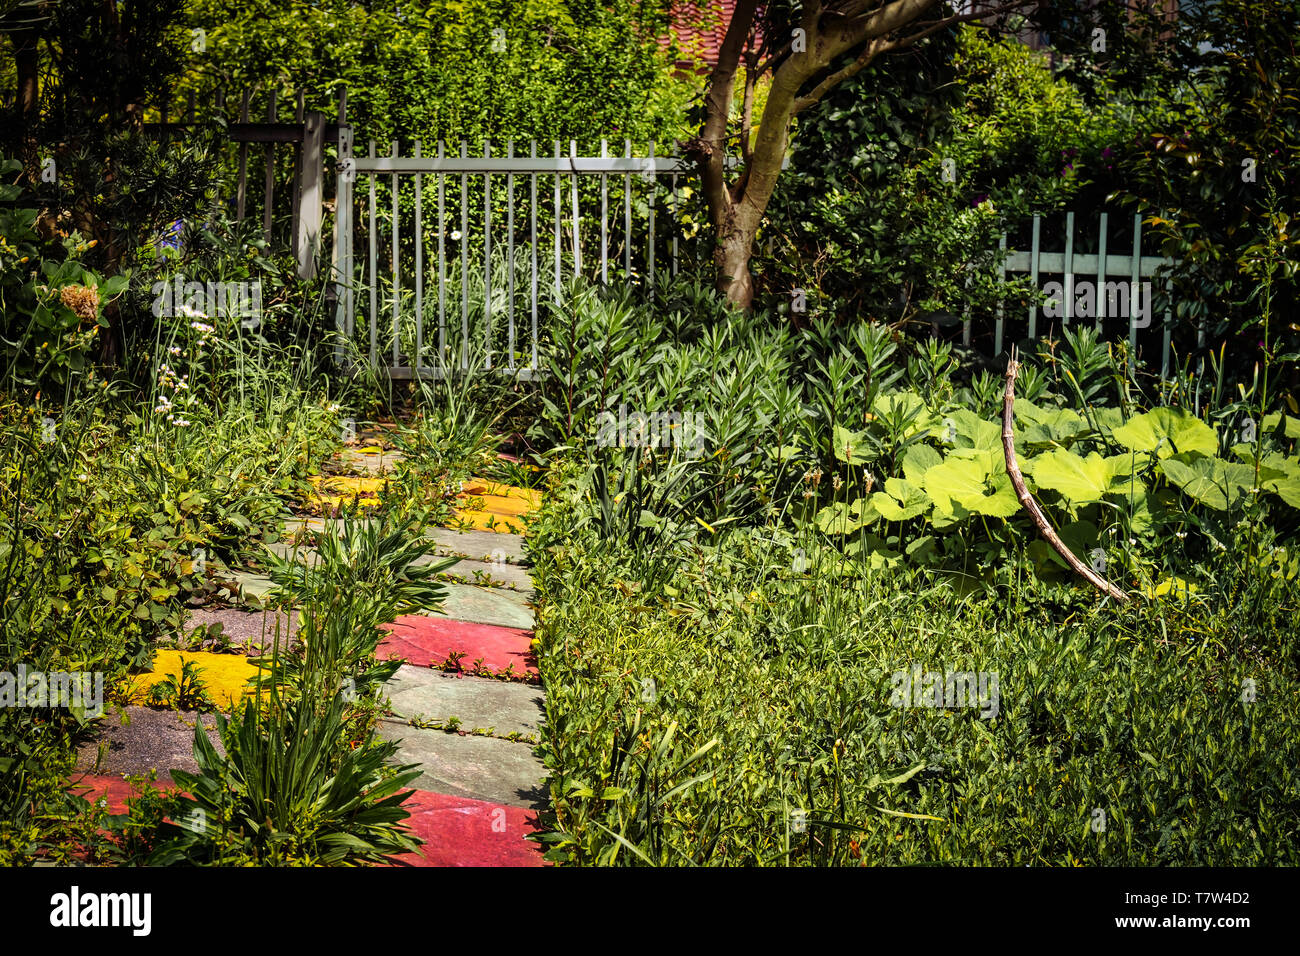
(397,284)
(627,212)
(349,232)
(532,245)
(1069,267)
(487,259)
(1135,272)
(374,267)
(558,174)
(577,232)
(269,189)
(1033,277)
(966,320)
(241,199)
(1169,328)
(419,266)
(342,243)
(1101,270)
(674,201)
(510,254)
(650,264)
(604,214)
(295,200)
(464,262)
(1000,317)
(442,265)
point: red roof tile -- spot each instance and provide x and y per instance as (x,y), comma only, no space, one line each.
(700,26)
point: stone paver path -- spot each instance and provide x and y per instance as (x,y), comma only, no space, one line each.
(466,704)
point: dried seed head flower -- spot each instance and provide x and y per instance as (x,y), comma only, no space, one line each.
(82,300)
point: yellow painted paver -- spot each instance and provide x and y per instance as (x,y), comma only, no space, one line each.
(491,506)
(224,676)
(332,492)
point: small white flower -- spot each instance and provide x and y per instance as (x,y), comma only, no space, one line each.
(455,234)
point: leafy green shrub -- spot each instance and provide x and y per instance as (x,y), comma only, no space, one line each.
(51,307)
(902,181)
(747,714)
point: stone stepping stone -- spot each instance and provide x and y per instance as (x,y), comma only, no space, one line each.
(478,605)
(113,791)
(521,500)
(481,768)
(223,676)
(504,707)
(499,573)
(489,546)
(255,630)
(491,506)
(248,588)
(458,831)
(429,641)
(160,740)
(332,492)
(367,461)
(512,577)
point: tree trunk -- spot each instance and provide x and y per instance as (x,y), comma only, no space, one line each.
(731,267)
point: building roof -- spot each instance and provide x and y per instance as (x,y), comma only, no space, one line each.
(699,27)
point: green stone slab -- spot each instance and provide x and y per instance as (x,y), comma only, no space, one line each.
(510,576)
(479,605)
(481,768)
(504,707)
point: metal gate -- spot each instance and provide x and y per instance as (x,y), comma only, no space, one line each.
(446,260)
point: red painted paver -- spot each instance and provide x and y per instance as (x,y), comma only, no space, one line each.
(116,790)
(458,831)
(429,641)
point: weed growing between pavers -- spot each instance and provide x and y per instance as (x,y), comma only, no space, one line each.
(305,779)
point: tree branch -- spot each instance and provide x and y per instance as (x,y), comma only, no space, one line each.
(1028,502)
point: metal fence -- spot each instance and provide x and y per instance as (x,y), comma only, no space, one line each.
(1104,269)
(413,233)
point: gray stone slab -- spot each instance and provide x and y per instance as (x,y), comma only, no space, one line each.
(354,463)
(160,740)
(480,545)
(487,573)
(504,707)
(481,768)
(251,589)
(255,630)
(493,574)
(479,605)
(487,546)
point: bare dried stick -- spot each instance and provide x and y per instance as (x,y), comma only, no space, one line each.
(1027,500)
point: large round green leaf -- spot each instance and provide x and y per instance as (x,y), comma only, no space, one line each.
(1167,432)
